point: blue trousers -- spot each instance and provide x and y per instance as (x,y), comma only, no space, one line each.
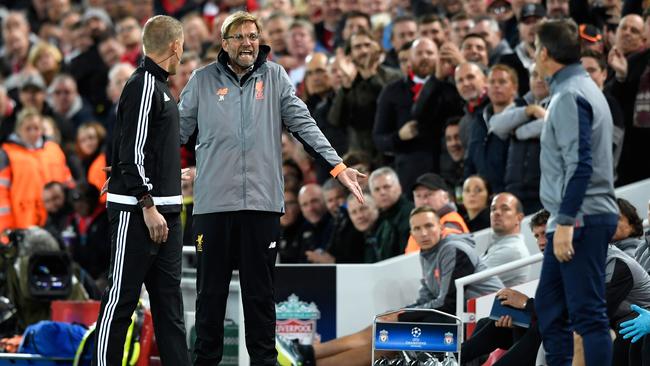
(571,296)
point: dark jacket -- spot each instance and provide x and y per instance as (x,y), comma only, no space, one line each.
(356,107)
(347,244)
(91,74)
(487,153)
(392,233)
(635,138)
(337,136)
(480,222)
(308,237)
(145,144)
(91,246)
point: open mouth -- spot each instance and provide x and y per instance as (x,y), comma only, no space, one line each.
(246,53)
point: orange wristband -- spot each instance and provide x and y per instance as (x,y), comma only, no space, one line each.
(337,169)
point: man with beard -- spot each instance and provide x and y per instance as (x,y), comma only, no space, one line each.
(411,112)
(362,78)
(320,94)
(240,104)
(471,84)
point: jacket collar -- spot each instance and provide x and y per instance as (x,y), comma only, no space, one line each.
(563,74)
(157,71)
(394,209)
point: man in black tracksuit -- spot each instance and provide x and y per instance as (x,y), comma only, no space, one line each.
(144,204)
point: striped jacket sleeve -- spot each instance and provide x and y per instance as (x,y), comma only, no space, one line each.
(137,108)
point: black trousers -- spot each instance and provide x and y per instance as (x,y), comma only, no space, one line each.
(136,259)
(522,344)
(224,241)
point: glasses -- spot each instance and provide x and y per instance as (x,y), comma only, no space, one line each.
(239,38)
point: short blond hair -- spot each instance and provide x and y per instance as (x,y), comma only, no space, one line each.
(24,114)
(237,19)
(159,32)
(39,49)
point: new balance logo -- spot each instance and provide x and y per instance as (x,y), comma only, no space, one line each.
(167,99)
(272,245)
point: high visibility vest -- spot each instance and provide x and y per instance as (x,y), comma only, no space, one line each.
(22,182)
(96,174)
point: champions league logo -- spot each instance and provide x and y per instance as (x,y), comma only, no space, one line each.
(383,336)
(416,332)
(449,338)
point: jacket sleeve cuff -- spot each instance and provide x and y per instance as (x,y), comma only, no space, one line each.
(565,220)
(337,169)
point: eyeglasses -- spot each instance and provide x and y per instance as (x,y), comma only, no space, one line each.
(239,38)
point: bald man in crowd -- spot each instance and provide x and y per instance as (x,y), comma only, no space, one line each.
(317,229)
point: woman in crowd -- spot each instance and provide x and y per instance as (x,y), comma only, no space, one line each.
(476,200)
(90,152)
(28,162)
(46,59)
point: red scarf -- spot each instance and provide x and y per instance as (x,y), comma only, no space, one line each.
(473,104)
(416,88)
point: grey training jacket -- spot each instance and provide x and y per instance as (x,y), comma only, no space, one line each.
(239,143)
(577,185)
(452,258)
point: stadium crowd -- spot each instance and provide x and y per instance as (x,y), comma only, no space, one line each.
(438,101)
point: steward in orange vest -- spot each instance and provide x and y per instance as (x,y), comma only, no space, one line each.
(27,163)
(430,189)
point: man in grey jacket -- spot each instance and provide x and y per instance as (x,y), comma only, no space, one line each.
(507,244)
(577,189)
(240,104)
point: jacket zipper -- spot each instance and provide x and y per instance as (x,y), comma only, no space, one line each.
(243,137)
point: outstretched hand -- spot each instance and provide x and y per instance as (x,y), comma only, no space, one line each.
(350,179)
(637,327)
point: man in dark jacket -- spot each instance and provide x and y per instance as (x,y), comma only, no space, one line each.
(630,86)
(393,231)
(471,84)
(346,244)
(316,231)
(411,112)
(320,95)
(362,79)
(487,152)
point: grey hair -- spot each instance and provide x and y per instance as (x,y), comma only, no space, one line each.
(380,172)
(119,67)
